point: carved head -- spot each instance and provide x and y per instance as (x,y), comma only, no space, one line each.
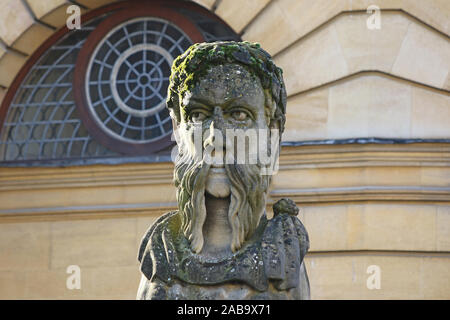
(228,102)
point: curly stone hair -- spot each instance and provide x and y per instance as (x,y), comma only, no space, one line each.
(195,62)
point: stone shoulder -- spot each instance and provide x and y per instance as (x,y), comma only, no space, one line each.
(161,220)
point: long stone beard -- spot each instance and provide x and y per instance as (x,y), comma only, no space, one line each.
(247,201)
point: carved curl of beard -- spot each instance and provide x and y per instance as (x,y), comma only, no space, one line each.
(247,201)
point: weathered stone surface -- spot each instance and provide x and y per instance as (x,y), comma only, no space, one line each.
(14,20)
(430,62)
(219,244)
(205,3)
(32,38)
(430,115)
(41,8)
(238,19)
(10,64)
(93,243)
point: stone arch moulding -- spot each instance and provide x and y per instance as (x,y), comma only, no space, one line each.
(186,16)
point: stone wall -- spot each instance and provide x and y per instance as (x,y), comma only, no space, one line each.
(366,204)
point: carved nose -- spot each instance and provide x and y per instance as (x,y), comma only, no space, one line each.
(215,137)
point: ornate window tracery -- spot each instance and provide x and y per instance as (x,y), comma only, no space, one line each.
(99,92)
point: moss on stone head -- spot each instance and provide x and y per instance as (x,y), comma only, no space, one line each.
(193,64)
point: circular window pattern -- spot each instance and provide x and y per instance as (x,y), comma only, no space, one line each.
(123,75)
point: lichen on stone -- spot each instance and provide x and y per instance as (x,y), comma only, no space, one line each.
(192,65)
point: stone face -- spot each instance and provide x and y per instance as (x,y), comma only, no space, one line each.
(219,243)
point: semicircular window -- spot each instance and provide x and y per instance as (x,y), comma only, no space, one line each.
(99,92)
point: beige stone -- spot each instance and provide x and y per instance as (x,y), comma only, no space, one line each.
(307,116)
(205,3)
(270,29)
(66,197)
(369,106)
(355,227)
(239,13)
(326,227)
(14,20)
(401,276)
(392,176)
(400,227)
(24,246)
(58,17)
(32,38)
(435,13)
(378,227)
(299,178)
(303,16)
(10,65)
(41,8)
(51,284)
(447,83)
(366,49)
(443,228)
(104,282)
(435,176)
(285,21)
(344,276)
(143,224)
(331,277)
(430,114)
(435,275)
(303,60)
(95,3)
(2,51)
(94,243)
(424,57)
(2,94)
(12,285)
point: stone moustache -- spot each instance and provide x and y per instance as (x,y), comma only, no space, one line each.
(219,244)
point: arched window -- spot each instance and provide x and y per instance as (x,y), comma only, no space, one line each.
(99,92)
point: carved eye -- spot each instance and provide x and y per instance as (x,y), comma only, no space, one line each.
(239,115)
(197,116)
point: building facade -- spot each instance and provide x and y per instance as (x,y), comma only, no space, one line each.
(85,164)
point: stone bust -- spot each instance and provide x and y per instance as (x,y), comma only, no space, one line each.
(220,244)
